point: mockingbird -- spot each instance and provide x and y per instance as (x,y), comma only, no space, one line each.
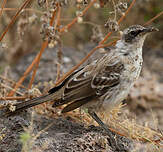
(102,84)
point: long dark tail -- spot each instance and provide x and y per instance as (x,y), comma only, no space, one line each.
(27,104)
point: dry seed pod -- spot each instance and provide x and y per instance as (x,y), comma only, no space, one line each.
(121,7)
(52,43)
(41,3)
(32,19)
(62,2)
(85,2)
(22,26)
(112,25)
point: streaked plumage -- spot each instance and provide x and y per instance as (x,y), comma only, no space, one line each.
(101,84)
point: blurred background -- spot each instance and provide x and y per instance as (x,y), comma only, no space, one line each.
(24,36)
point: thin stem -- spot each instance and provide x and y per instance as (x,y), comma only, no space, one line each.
(57,23)
(115,12)
(129,8)
(44,46)
(154,18)
(11,81)
(13,98)
(8,87)
(25,9)
(23,77)
(119,21)
(36,59)
(14,18)
(2,8)
(59,56)
(30,67)
(75,19)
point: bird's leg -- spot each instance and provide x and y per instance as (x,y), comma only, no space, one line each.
(99,121)
(108,131)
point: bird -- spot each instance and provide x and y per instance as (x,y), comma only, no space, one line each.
(102,84)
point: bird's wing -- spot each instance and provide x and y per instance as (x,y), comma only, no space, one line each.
(58,87)
(77,87)
(84,87)
(107,78)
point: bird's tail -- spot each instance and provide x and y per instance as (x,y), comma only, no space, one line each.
(25,105)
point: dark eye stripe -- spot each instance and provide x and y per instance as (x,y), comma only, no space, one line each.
(135,33)
(132,34)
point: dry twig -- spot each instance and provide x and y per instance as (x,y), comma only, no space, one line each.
(14,18)
(2,8)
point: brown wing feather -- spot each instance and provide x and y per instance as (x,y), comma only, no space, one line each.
(108,77)
(77,104)
(82,89)
(104,80)
(56,88)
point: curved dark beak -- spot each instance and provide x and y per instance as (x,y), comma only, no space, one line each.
(150,29)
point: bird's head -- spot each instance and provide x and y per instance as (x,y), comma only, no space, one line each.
(136,34)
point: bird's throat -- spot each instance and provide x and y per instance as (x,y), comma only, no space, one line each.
(126,49)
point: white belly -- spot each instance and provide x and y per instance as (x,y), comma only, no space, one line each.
(128,77)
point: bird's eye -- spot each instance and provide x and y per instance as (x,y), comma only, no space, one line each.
(135,33)
(132,35)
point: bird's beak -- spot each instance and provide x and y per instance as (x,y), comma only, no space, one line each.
(150,29)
